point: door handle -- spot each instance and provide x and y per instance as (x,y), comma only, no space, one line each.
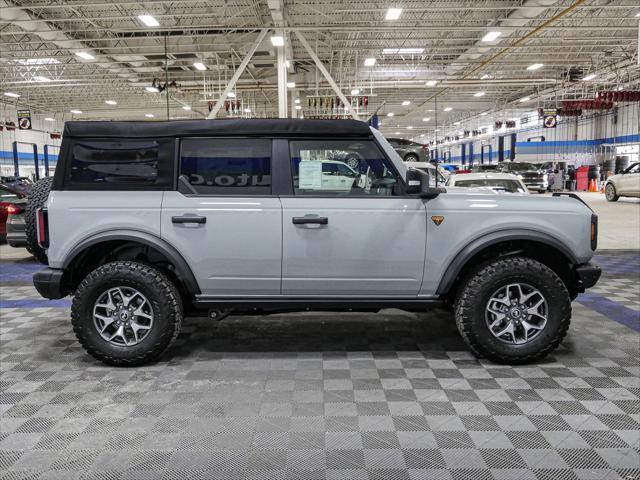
(310,220)
(189,219)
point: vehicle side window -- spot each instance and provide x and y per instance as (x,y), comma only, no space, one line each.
(225,166)
(341,167)
(7,194)
(633,168)
(98,164)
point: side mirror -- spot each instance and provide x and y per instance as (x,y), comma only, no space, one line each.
(419,183)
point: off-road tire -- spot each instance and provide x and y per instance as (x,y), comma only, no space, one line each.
(411,157)
(36,198)
(477,288)
(610,193)
(159,290)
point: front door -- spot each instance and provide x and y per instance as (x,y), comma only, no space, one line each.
(223,219)
(630,181)
(362,240)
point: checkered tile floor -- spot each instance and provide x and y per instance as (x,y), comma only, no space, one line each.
(338,396)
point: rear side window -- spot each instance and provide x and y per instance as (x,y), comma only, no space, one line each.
(124,164)
(224,166)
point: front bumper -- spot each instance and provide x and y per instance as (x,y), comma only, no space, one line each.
(587,275)
(48,283)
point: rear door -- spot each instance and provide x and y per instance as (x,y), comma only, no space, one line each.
(224,219)
(361,241)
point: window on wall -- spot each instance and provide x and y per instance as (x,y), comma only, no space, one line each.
(341,167)
(222,166)
(121,165)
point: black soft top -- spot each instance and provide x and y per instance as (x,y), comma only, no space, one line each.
(196,128)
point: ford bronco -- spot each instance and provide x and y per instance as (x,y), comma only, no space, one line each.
(147,222)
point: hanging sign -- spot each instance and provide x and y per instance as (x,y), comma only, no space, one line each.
(550,119)
(24,119)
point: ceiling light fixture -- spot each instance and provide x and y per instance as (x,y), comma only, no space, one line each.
(76,112)
(297,100)
(484,77)
(110,102)
(298,107)
(393,14)
(11,94)
(397,133)
(231,95)
(369,62)
(447,109)
(535,66)
(525,99)
(247,110)
(431,83)
(406,102)
(85,55)
(151,89)
(426,119)
(483,114)
(186,107)
(40,78)
(37,61)
(149,115)
(491,36)
(291,84)
(591,76)
(49,119)
(479,94)
(149,20)
(355,91)
(199,66)
(277,41)
(410,127)
(390,114)
(287,63)
(456,123)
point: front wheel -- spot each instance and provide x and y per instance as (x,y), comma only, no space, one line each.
(513,310)
(126,313)
(610,193)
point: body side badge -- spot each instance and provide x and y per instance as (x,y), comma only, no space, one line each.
(437,219)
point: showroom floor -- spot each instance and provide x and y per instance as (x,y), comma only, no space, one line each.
(340,396)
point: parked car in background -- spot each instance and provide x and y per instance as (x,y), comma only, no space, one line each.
(18,184)
(430,169)
(625,184)
(487,167)
(410,151)
(500,182)
(534,176)
(11,201)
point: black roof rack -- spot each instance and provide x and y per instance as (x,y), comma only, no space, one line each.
(200,128)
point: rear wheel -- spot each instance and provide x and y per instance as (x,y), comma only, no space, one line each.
(126,313)
(610,193)
(412,157)
(36,199)
(513,310)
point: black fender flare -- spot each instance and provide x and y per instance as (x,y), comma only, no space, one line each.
(182,268)
(480,243)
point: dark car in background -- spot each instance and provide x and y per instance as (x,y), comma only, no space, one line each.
(17,184)
(12,205)
(534,175)
(410,151)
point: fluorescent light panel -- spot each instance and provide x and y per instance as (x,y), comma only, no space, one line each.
(406,102)
(149,20)
(431,83)
(535,66)
(525,99)
(186,107)
(390,114)
(11,94)
(393,14)
(491,36)
(40,78)
(85,55)
(151,89)
(110,102)
(199,66)
(149,115)
(355,91)
(38,61)
(448,109)
(591,76)
(479,94)
(49,119)
(75,111)
(369,62)
(291,84)
(277,40)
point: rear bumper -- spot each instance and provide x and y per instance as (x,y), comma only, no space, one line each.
(588,275)
(48,283)
(16,234)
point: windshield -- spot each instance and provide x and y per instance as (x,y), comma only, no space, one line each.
(510,186)
(520,166)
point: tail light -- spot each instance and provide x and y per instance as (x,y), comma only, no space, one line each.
(424,148)
(594,232)
(42,224)
(13,209)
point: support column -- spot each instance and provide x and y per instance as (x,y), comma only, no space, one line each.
(282,83)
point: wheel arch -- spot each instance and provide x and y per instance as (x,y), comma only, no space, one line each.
(554,253)
(91,247)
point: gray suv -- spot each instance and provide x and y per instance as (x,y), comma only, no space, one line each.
(147,222)
(409,151)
